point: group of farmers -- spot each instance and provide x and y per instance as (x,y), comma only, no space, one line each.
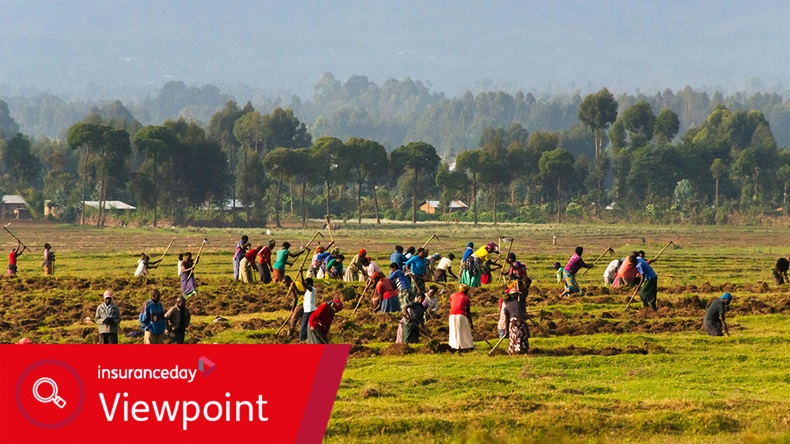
(402,289)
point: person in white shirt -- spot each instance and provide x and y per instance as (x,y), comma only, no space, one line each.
(444,268)
(309,306)
(611,271)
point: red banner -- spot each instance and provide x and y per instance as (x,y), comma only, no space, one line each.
(149,393)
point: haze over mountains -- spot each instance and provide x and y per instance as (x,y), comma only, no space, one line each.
(91,49)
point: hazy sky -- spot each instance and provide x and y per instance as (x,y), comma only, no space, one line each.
(62,46)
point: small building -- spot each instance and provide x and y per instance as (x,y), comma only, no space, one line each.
(430,206)
(457,205)
(110,205)
(14,207)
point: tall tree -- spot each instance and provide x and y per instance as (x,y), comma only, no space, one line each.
(325,155)
(639,121)
(367,161)
(158,143)
(420,157)
(598,111)
(8,126)
(19,162)
(667,125)
(88,136)
(556,165)
(717,168)
(494,171)
(471,162)
(282,163)
(220,129)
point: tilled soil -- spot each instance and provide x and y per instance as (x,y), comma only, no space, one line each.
(54,309)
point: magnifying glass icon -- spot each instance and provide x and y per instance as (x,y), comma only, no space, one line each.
(54,398)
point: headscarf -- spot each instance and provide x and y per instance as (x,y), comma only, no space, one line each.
(726,296)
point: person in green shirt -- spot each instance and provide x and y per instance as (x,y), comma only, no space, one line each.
(278,272)
(334,268)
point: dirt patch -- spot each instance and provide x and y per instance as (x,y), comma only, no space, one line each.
(397,350)
(360,351)
(584,351)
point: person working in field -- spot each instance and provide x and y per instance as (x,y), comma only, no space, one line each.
(398,257)
(49,260)
(295,288)
(627,274)
(371,266)
(518,279)
(144,264)
(558,269)
(649,291)
(385,294)
(278,272)
(575,263)
(263,260)
(714,320)
(515,323)
(321,320)
(12,258)
(241,250)
(412,321)
(610,274)
(246,274)
(460,322)
(334,267)
(417,265)
(108,316)
(187,275)
(309,306)
(355,271)
(402,283)
(177,320)
(779,273)
(444,268)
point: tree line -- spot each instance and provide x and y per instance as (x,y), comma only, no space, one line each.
(618,163)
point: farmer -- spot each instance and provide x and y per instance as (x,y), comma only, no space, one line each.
(461,320)
(398,257)
(575,263)
(486,263)
(402,283)
(385,294)
(177,319)
(108,316)
(49,260)
(779,272)
(15,253)
(516,324)
(432,260)
(187,275)
(278,272)
(371,267)
(315,262)
(241,249)
(413,319)
(355,270)
(610,274)
(245,266)
(410,252)
(152,319)
(417,265)
(263,260)
(295,288)
(431,301)
(443,268)
(334,268)
(627,274)
(321,320)
(714,317)
(470,248)
(517,275)
(558,268)
(649,284)
(308,307)
(144,264)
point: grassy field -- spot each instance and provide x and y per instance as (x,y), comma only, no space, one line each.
(601,374)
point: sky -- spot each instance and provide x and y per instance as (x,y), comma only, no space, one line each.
(87,46)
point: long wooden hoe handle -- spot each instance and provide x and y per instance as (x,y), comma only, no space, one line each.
(596,260)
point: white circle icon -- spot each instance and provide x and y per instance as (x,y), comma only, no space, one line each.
(54,398)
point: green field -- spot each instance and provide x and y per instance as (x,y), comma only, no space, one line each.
(601,374)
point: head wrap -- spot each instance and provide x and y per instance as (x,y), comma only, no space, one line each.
(470,244)
(556,265)
(726,296)
(338,305)
(362,252)
(463,287)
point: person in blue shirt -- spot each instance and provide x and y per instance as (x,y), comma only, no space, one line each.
(470,248)
(152,319)
(649,291)
(417,265)
(398,257)
(401,281)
